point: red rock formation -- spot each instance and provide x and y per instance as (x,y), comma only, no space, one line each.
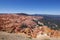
(24,24)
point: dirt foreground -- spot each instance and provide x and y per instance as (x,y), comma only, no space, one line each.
(13,36)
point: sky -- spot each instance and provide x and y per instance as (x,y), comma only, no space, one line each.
(30,6)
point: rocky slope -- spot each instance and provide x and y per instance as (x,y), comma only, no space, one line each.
(32,26)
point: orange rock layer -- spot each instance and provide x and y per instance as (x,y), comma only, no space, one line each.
(13,23)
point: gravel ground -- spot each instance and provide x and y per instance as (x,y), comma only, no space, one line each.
(12,36)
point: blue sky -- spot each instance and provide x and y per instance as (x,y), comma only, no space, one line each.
(30,6)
